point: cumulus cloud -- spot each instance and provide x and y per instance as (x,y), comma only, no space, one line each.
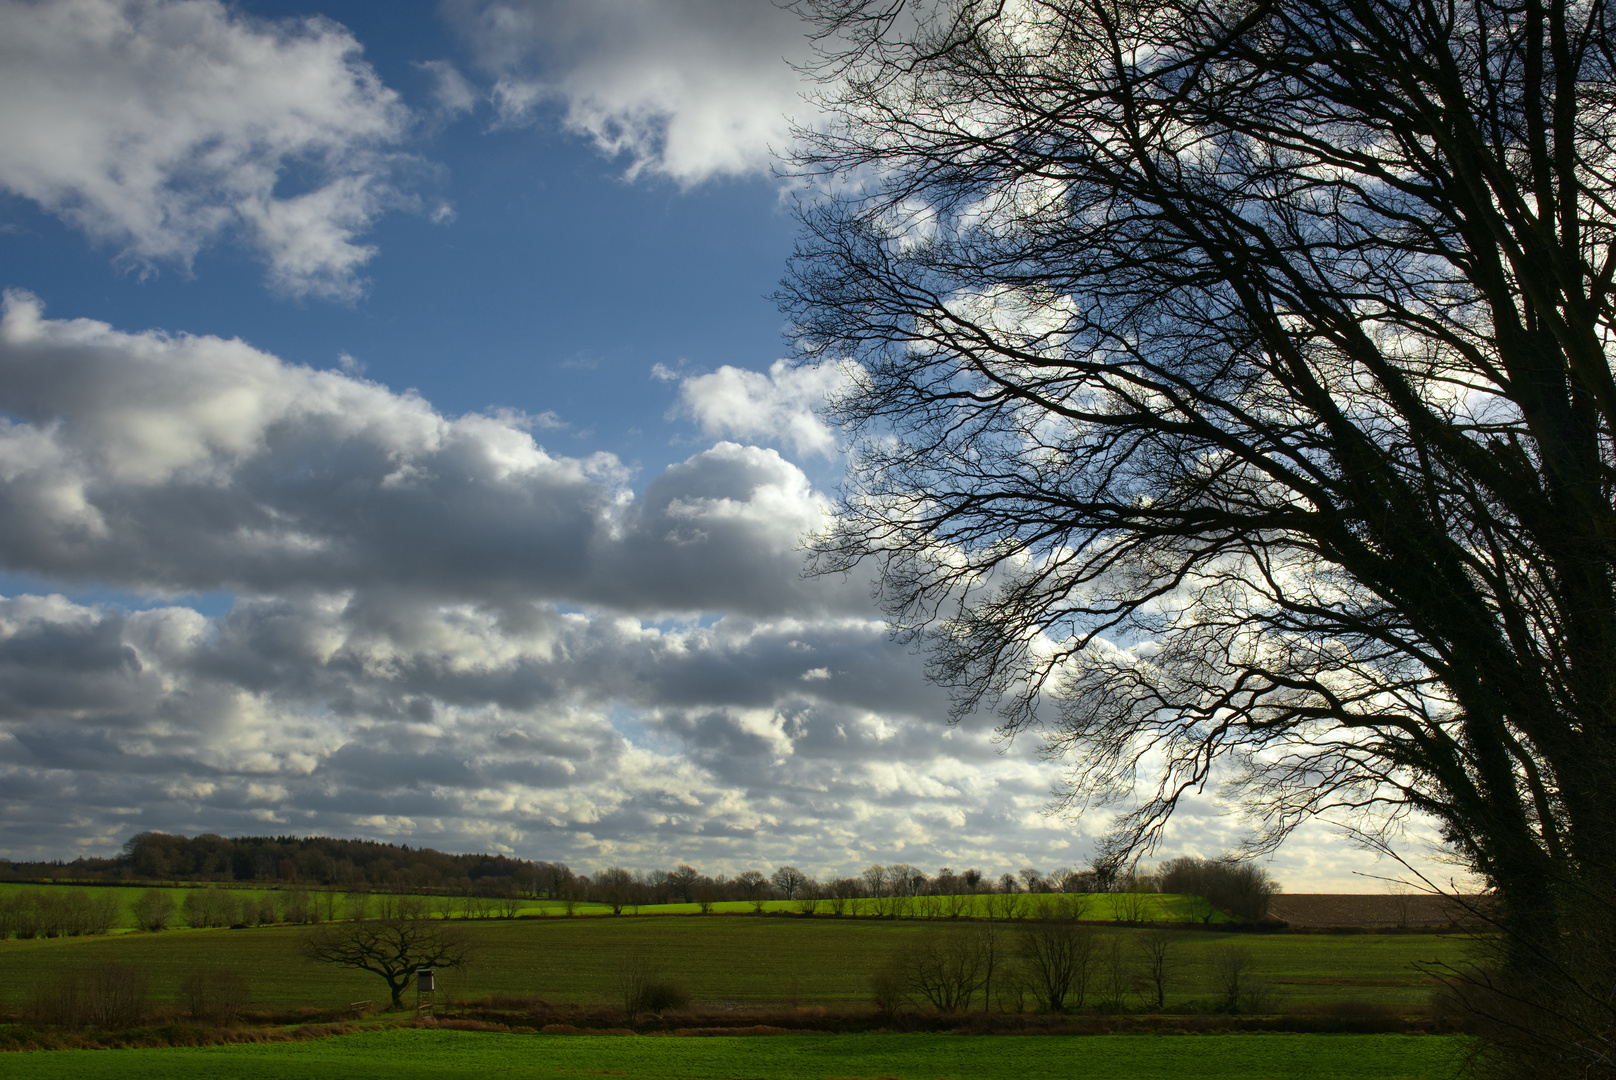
(486,728)
(441,627)
(689,89)
(783,405)
(181,464)
(163,126)
(444,632)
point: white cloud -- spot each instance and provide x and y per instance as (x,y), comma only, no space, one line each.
(443,631)
(781,406)
(178,463)
(163,126)
(439,622)
(690,89)
(454,93)
(346,716)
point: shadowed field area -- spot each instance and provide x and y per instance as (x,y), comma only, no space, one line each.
(717,960)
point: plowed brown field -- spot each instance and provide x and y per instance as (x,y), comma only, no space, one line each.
(1372,910)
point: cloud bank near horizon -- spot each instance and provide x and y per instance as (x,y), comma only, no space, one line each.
(440,629)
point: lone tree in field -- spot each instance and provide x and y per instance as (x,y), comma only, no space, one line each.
(391,948)
(1232,389)
(788,880)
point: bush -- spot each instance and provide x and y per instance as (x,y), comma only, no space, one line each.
(658,997)
(1242,889)
(209,907)
(60,912)
(643,990)
(117,996)
(299,907)
(887,991)
(945,968)
(1242,990)
(154,909)
(60,1001)
(1352,1015)
(110,996)
(216,996)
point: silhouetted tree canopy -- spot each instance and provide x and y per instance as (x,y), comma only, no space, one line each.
(1232,398)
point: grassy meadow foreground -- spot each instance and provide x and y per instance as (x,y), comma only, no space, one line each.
(450,1055)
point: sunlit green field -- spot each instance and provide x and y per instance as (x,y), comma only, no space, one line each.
(1135,907)
(335,902)
(430,1055)
(1148,907)
(716,959)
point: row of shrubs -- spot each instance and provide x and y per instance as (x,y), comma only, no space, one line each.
(1059,966)
(156,909)
(113,996)
(49,913)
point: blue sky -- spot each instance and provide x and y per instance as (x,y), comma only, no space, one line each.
(396,443)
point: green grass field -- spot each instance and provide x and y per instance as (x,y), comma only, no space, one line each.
(1152,907)
(718,960)
(442,1055)
(341,902)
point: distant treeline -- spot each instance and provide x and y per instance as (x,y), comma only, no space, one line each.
(1241,889)
(290,860)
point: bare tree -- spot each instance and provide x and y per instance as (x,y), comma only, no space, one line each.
(887,990)
(392,949)
(907,880)
(1234,970)
(683,881)
(1278,336)
(117,995)
(1158,961)
(840,895)
(878,887)
(634,976)
(217,996)
(642,988)
(752,885)
(1071,907)
(1005,905)
(787,880)
(1130,907)
(1114,970)
(945,968)
(614,887)
(1058,959)
(991,944)
(1402,894)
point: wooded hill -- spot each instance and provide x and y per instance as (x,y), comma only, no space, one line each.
(305,860)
